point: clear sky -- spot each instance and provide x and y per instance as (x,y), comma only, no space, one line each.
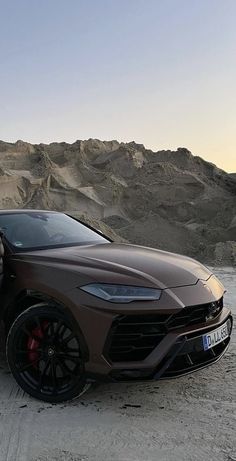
(160,72)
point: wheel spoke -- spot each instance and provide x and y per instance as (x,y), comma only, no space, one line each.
(69,350)
(48,332)
(59,324)
(43,373)
(71,358)
(29,365)
(54,376)
(62,332)
(66,371)
(68,338)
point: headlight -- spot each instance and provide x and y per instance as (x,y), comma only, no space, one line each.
(122,293)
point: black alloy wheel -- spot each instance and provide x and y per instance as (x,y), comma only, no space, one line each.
(44,354)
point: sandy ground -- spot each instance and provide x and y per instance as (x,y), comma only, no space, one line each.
(190,418)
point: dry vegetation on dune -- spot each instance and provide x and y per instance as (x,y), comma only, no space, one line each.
(167,199)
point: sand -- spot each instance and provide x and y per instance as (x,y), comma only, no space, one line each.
(170,200)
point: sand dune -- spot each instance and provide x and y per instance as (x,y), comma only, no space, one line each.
(167,199)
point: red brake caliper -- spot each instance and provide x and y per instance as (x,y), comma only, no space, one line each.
(33,344)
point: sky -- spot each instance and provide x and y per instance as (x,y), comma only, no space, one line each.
(159,72)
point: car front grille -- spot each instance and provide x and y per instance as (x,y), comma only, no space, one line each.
(195,314)
(134,337)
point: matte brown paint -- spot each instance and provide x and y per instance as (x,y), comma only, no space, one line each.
(57,274)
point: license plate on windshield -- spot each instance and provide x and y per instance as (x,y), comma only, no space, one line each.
(215,337)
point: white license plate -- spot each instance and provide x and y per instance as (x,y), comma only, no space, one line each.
(215,337)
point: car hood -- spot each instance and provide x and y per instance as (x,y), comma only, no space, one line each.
(124,263)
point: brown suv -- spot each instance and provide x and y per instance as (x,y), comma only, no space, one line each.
(79,308)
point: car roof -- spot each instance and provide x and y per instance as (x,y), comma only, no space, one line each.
(26,210)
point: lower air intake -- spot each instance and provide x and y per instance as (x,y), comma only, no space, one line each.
(134,337)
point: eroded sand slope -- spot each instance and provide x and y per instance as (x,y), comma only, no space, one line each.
(171,200)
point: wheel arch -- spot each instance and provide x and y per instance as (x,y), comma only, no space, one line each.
(28,298)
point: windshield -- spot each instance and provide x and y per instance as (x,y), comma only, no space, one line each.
(31,230)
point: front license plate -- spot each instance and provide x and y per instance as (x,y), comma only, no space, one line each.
(215,337)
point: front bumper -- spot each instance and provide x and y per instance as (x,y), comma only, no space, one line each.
(192,356)
(166,352)
(180,352)
(185,356)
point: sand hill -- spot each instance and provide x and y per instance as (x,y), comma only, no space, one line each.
(166,199)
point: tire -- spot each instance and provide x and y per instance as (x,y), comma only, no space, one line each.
(44,354)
